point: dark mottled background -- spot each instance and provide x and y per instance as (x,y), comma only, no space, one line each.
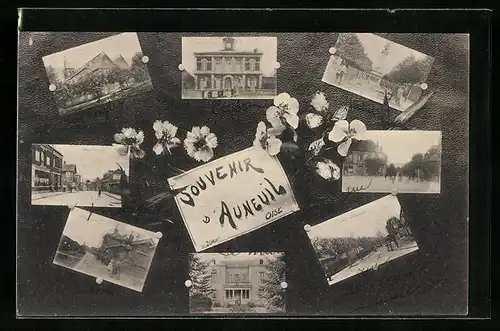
(432,280)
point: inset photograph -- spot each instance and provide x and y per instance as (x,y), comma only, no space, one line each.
(98,72)
(372,67)
(362,239)
(388,161)
(229,67)
(105,248)
(83,175)
(232,283)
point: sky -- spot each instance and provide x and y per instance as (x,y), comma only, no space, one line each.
(92,160)
(239,257)
(374,45)
(400,146)
(267,45)
(90,232)
(365,221)
(126,44)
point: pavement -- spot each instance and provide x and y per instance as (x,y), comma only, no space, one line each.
(39,195)
(382,184)
(90,266)
(373,260)
(83,198)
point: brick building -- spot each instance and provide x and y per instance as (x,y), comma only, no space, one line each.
(46,168)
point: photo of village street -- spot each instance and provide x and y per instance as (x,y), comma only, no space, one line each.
(84,175)
(362,239)
(387,161)
(237,283)
(372,67)
(98,72)
(104,248)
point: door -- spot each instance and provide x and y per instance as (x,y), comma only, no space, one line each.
(228,83)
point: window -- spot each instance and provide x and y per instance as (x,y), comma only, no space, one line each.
(204,64)
(252,64)
(257,64)
(238,64)
(237,278)
(261,261)
(213,277)
(37,156)
(227,64)
(261,276)
(47,161)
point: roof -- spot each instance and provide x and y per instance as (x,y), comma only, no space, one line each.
(93,64)
(69,167)
(240,263)
(120,62)
(365,146)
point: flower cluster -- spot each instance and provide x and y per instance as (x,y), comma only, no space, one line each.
(282,115)
(199,142)
(165,133)
(130,139)
(342,133)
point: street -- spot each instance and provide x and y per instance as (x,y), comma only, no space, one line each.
(372,261)
(84,198)
(90,266)
(381,184)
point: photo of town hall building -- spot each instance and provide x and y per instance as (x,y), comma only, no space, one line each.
(227,71)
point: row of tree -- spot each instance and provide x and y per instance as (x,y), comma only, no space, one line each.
(408,71)
(331,247)
(428,164)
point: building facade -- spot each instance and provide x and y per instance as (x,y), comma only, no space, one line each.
(69,176)
(234,280)
(111,181)
(355,163)
(46,168)
(228,69)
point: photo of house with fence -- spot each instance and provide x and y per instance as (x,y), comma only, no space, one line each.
(97,73)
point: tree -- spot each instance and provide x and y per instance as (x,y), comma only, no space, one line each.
(373,166)
(118,75)
(52,75)
(200,277)
(351,50)
(270,289)
(138,69)
(410,70)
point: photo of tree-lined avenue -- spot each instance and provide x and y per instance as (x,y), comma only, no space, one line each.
(362,239)
(373,67)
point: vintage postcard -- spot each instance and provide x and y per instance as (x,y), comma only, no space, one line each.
(394,161)
(97,72)
(372,67)
(83,175)
(229,67)
(237,283)
(362,239)
(104,248)
(233,195)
